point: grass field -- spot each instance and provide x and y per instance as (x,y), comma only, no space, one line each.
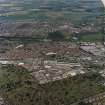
(92,37)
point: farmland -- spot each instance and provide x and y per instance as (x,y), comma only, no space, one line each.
(38,10)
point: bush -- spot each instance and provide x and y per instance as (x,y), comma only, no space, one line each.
(83,103)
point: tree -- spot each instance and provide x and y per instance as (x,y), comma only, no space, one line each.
(83,103)
(56,36)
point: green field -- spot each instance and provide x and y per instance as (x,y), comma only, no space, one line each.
(92,37)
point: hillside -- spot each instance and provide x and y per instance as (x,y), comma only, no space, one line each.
(49,10)
(18,87)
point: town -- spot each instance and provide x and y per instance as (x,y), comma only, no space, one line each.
(52,52)
(50,61)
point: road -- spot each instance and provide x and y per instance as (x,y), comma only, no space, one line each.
(95,100)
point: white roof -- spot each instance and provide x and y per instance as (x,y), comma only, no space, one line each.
(51,53)
(73,73)
(21,64)
(47,66)
(103,1)
(20,46)
(82,72)
(6,62)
